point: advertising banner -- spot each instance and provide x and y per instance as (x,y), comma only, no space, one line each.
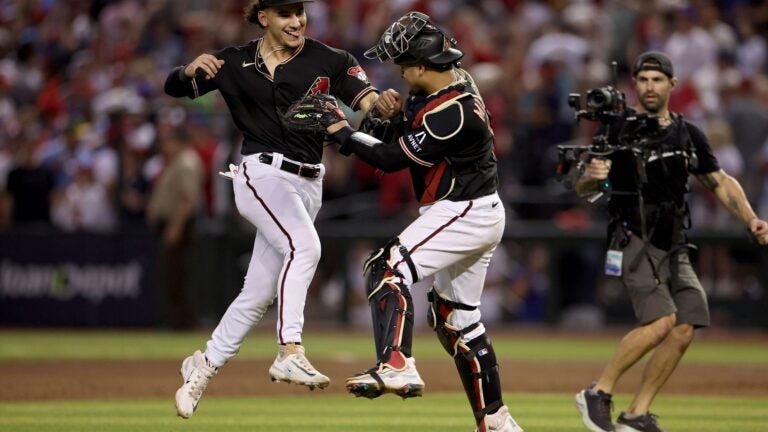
(77,280)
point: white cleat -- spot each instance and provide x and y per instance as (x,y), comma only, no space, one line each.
(374,382)
(196,373)
(500,421)
(292,366)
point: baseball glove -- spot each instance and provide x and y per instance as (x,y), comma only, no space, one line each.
(312,114)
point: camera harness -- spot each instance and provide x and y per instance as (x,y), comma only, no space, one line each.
(682,220)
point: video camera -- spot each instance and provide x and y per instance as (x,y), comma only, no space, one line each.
(606,105)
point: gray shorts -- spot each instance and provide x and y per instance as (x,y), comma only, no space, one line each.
(684,296)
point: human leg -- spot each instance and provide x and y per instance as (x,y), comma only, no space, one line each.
(647,283)
(660,367)
(392,316)
(242,314)
(633,346)
(456,319)
(445,233)
(285,254)
(283,206)
(594,402)
(693,312)
(275,202)
(475,360)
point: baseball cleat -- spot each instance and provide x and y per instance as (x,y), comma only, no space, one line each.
(196,372)
(384,378)
(292,366)
(500,421)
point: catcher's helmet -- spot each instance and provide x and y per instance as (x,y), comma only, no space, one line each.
(414,39)
(263,4)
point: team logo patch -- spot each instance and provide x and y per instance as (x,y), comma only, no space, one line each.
(321,85)
(416,139)
(358,73)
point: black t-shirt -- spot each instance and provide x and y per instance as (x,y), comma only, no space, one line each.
(256,99)
(667,166)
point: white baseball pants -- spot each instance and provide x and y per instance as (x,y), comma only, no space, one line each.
(454,241)
(282,206)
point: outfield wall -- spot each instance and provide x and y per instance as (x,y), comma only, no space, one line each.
(540,275)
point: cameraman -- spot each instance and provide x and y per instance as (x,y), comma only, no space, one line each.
(647,242)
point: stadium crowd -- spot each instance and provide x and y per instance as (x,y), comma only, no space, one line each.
(83,116)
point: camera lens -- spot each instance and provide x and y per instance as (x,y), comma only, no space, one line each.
(599,99)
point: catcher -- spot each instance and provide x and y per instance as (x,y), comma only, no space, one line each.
(443,135)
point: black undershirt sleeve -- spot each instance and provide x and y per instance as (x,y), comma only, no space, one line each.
(386,157)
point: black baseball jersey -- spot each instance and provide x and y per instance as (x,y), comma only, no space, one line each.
(668,163)
(447,143)
(256,99)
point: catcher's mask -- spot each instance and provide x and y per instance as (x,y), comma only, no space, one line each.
(414,39)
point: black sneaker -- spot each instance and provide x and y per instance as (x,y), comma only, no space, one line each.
(644,423)
(595,409)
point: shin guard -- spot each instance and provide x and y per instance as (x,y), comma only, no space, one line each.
(475,359)
(390,301)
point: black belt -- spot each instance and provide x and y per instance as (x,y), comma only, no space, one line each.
(299,169)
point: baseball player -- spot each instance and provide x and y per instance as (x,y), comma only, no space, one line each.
(277,186)
(443,136)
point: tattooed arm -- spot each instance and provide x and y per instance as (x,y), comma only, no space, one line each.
(729,192)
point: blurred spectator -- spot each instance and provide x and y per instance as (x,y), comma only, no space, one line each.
(748,119)
(171,213)
(29,188)
(84,204)
(752,51)
(132,189)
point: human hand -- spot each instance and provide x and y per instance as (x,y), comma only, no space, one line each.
(598,169)
(759,229)
(208,65)
(389,104)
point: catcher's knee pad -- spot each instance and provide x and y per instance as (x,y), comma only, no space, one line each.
(390,301)
(475,359)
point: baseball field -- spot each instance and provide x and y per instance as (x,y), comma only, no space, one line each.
(110,381)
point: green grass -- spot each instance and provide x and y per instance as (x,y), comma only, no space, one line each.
(41,345)
(332,412)
(432,413)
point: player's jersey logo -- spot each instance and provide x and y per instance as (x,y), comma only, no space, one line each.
(321,85)
(415,140)
(358,73)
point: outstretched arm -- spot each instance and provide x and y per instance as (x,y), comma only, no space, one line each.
(384,156)
(729,192)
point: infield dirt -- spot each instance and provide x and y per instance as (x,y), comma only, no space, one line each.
(48,380)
